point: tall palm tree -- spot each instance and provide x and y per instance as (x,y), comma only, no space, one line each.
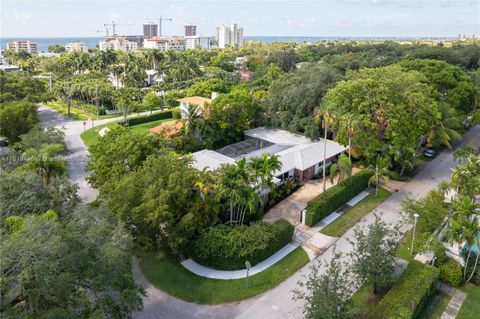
(349,123)
(326,121)
(342,168)
(380,175)
(45,163)
(445,131)
(232,186)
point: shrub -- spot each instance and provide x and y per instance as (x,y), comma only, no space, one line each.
(409,295)
(226,247)
(334,197)
(451,273)
(149,118)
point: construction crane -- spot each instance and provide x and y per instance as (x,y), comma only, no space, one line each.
(113,25)
(160,21)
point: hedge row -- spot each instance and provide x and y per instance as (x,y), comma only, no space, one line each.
(226,247)
(168,114)
(334,197)
(409,295)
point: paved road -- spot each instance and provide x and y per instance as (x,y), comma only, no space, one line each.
(78,151)
(278,302)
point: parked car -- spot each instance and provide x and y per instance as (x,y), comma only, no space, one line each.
(430,153)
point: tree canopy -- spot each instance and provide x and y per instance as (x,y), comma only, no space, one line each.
(394,107)
(293,98)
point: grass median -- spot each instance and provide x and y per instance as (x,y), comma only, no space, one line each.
(354,214)
(169,275)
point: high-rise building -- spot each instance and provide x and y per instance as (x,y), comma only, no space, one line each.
(229,35)
(150,30)
(190,30)
(22,45)
(76,47)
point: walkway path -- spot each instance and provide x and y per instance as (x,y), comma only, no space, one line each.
(238,274)
(278,302)
(454,305)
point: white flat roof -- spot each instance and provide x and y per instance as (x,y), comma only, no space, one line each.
(295,151)
(210,160)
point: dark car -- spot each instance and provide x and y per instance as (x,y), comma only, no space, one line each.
(430,153)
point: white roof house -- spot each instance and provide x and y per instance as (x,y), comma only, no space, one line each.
(295,151)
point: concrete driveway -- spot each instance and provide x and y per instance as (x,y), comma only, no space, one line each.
(291,207)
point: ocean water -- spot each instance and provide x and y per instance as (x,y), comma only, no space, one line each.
(92,42)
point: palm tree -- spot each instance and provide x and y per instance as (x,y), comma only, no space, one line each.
(445,131)
(154,58)
(326,121)
(342,168)
(380,175)
(464,228)
(263,168)
(463,152)
(349,123)
(44,161)
(233,186)
(191,118)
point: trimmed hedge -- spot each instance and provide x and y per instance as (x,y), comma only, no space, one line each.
(168,114)
(336,196)
(410,294)
(451,273)
(226,247)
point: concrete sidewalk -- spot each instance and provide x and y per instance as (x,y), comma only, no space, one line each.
(238,274)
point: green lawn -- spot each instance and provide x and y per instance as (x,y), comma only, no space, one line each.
(75,113)
(90,137)
(354,214)
(471,305)
(170,276)
(435,307)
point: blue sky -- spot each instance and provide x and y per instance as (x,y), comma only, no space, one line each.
(74,18)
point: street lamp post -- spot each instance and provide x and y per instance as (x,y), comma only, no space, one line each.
(415,216)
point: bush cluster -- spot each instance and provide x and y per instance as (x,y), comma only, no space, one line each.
(334,197)
(149,118)
(409,295)
(226,247)
(451,273)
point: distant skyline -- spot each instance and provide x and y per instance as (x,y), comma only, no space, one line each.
(355,18)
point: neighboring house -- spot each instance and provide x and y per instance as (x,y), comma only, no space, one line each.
(301,157)
(198,101)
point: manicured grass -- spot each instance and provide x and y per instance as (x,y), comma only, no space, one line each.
(435,307)
(75,113)
(403,250)
(170,276)
(354,214)
(144,127)
(90,137)
(363,300)
(471,305)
